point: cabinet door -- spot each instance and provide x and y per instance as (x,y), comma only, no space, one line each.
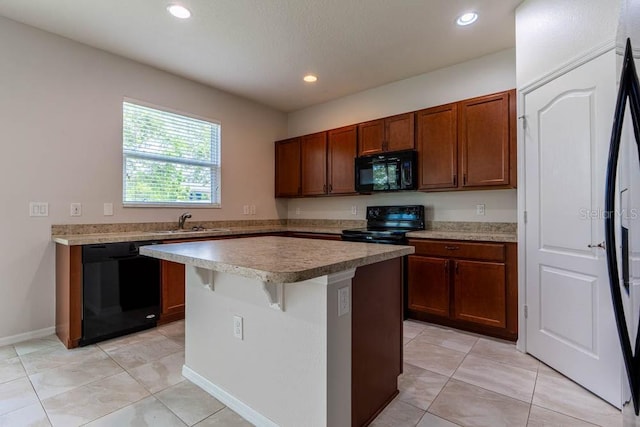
(313,150)
(288,168)
(437,145)
(484,140)
(172,291)
(370,137)
(399,132)
(342,153)
(428,285)
(480,292)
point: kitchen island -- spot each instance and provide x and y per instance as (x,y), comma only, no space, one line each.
(291,332)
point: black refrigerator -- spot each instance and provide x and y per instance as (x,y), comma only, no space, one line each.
(622,208)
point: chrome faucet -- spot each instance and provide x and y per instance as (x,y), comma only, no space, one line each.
(183,218)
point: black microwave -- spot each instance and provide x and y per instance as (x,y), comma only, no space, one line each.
(387,172)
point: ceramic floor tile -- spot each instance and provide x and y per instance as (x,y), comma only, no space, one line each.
(67,377)
(29,416)
(430,420)
(438,359)
(224,418)
(173,329)
(128,340)
(563,395)
(147,412)
(418,386)
(134,355)
(472,406)
(37,344)
(546,370)
(189,402)
(11,369)
(94,400)
(16,394)
(160,374)
(54,357)
(504,352)
(448,338)
(411,329)
(405,340)
(398,414)
(499,377)
(540,417)
(7,352)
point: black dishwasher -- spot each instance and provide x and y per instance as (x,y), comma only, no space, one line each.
(120,290)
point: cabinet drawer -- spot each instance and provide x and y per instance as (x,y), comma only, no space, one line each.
(457,249)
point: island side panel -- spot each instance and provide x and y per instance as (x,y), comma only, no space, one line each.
(291,368)
(377,338)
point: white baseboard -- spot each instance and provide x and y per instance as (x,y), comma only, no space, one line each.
(40,333)
(227,399)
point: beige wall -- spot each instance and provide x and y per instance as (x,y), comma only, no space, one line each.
(60,116)
(488,74)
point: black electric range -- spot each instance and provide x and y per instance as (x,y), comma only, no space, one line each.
(388,224)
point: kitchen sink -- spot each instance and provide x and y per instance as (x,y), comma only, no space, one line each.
(192,230)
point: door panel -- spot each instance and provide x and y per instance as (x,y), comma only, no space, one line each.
(480,292)
(342,153)
(370,137)
(399,132)
(570,324)
(565,156)
(574,323)
(288,168)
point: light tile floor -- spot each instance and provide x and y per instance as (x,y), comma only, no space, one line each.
(450,378)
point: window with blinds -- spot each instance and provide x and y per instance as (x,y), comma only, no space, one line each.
(169,159)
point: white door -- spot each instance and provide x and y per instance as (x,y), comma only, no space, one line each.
(570,323)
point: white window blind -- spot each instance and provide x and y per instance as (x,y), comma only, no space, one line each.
(169,159)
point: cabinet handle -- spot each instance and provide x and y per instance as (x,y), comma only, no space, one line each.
(324,188)
(456,265)
(455,180)
(452,248)
(464,179)
(446,266)
(330,188)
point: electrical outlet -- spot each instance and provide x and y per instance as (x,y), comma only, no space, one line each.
(237,327)
(297,211)
(245,210)
(480,209)
(76,209)
(252,209)
(38,209)
(343,301)
(354,210)
(108,209)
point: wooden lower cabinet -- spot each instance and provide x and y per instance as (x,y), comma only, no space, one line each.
(172,295)
(467,285)
(429,289)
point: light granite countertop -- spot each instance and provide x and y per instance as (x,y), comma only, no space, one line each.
(500,232)
(273,259)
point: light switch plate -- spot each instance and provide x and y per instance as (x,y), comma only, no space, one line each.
(38,209)
(108,209)
(237,327)
(480,209)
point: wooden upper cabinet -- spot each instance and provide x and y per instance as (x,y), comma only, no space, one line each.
(371,137)
(393,133)
(341,159)
(485,135)
(288,168)
(313,149)
(399,132)
(437,146)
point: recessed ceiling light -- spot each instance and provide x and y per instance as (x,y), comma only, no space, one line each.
(179,11)
(467,18)
(310,78)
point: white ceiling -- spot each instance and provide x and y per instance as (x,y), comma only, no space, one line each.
(260,49)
